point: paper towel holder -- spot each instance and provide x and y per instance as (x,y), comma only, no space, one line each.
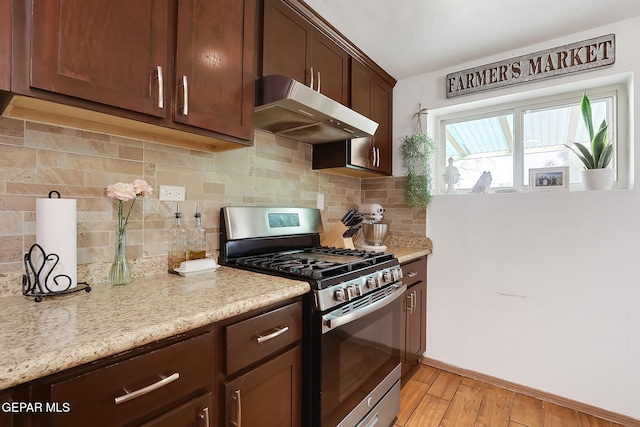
(33,285)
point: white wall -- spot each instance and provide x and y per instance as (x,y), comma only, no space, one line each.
(541,289)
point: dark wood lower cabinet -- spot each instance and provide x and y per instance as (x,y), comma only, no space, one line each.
(269,395)
(165,383)
(196,413)
(6,414)
(415,313)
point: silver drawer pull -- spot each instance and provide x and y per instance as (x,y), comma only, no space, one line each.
(412,274)
(148,389)
(276,333)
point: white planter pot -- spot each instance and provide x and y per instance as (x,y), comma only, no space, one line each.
(598,179)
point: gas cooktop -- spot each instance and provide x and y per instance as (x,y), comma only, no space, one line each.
(316,263)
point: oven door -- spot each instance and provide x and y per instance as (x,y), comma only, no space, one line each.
(359,356)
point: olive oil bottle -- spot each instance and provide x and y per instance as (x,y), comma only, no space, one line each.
(177,251)
(197,238)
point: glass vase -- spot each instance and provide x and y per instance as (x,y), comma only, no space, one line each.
(120,272)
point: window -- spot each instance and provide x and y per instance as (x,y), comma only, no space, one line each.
(509,140)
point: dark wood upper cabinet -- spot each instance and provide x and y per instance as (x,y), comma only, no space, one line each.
(299,44)
(5,44)
(179,72)
(372,96)
(286,42)
(114,52)
(213,85)
(293,47)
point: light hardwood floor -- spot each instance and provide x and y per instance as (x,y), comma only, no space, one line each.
(436,398)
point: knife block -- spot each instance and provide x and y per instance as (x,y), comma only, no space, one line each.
(333,238)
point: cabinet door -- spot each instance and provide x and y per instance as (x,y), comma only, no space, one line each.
(416,321)
(287,42)
(381,102)
(372,97)
(214,65)
(115,52)
(330,66)
(196,413)
(267,396)
(5,44)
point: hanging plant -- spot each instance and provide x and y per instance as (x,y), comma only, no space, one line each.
(417,151)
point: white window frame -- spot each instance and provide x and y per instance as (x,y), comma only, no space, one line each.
(619,124)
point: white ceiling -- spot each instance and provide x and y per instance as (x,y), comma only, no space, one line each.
(410,37)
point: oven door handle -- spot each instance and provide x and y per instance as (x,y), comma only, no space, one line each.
(361,312)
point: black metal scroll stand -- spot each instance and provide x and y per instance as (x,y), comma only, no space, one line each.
(34,285)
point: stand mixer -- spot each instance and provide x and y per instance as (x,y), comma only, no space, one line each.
(373,232)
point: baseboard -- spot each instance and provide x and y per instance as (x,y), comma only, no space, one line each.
(529,391)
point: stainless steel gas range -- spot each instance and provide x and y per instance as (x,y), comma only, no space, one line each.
(351,341)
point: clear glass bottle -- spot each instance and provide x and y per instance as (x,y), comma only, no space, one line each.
(177,243)
(197,238)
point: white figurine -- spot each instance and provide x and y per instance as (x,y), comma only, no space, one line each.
(483,184)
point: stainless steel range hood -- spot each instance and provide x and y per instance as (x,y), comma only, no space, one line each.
(291,109)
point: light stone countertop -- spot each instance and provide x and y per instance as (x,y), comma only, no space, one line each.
(38,339)
(405,254)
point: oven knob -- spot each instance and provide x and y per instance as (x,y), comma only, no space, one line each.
(341,294)
(397,274)
(373,282)
(386,276)
(353,291)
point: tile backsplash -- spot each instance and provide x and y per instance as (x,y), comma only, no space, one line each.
(37,158)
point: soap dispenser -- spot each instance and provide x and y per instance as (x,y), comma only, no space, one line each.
(197,238)
(177,243)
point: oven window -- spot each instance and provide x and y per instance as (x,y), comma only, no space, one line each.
(356,357)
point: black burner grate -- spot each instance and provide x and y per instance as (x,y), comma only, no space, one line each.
(316,263)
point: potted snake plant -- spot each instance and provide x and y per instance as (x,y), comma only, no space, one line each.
(597,157)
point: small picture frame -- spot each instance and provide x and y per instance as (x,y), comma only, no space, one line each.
(544,179)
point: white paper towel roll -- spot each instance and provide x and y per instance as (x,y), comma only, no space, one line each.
(56,233)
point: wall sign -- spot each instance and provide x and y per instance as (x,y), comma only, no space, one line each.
(575,57)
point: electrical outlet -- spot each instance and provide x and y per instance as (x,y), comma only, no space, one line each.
(171,193)
(320,201)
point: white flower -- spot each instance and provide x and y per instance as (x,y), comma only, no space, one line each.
(124,192)
(121,191)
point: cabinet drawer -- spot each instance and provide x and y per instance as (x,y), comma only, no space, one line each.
(123,392)
(414,271)
(261,336)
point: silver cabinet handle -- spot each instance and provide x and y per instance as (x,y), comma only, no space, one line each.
(378,158)
(373,156)
(412,274)
(414,298)
(236,396)
(278,331)
(185,96)
(311,84)
(148,389)
(374,421)
(160,88)
(318,90)
(204,416)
